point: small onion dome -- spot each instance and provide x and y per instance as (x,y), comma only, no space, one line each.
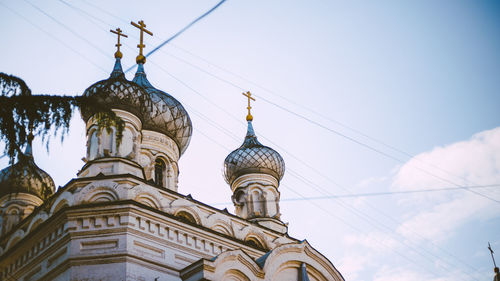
(118,93)
(26,177)
(167,115)
(253,157)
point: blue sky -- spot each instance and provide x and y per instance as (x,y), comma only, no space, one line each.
(419,76)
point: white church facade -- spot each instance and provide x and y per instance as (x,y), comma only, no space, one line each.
(123,218)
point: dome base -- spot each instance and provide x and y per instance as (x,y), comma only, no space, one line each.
(111,166)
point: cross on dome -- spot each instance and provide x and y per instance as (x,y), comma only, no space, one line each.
(142,26)
(119,33)
(249,96)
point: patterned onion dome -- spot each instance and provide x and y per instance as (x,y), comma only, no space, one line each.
(167,115)
(26,177)
(253,157)
(119,93)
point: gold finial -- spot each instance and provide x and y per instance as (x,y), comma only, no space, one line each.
(142,26)
(118,32)
(249,96)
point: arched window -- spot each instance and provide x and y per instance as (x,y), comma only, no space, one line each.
(186,217)
(159,171)
(108,142)
(254,242)
(93,145)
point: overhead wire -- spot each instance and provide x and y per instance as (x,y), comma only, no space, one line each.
(330,130)
(323,190)
(68,29)
(182,30)
(292,173)
(230,134)
(343,220)
(307,108)
(369,219)
(285,98)
(181,81)
(54,37)
(307,119)
(324,127)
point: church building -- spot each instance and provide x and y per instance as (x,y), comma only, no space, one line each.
(123,218)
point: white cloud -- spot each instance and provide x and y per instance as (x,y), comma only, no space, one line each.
(353,264)
(474,161)
(404,274)
(372,180)
(436,215)
(377,241)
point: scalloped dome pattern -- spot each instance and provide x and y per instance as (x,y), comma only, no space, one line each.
(26,177)
(119,93)
(253,157)
(167,115)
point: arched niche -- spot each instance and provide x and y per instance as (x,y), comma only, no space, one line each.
(235,275)
(257,203)
(11,217)
(92,145)
(291,269)
(101,194)
(61,204)
(287,259)
(160,171)
(64,199)
(148,199)
(255,241)
(108,142)
(271,202)
(14,238)
(127,144)
(36,221)
(222,227)
(186,216)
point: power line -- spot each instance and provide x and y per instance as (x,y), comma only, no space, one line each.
(369,219)
(234,137)
(302,197)
(54,37)
(205,118)
(333,131)
(315,122)
(68,29)
(309,109)
(320,125)
(323,197)
(181,31)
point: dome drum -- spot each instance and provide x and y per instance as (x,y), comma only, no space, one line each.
(157,110)
(234,177)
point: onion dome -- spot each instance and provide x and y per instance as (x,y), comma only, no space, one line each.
(166,115)
(26,177)
(253,157)
(118,93)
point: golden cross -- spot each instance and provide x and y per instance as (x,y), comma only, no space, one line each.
(142,26)
(249,96)
(118,32)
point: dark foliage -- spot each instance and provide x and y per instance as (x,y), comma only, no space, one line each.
(22,113)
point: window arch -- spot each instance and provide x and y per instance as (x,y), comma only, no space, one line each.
(186,217)
(254,242)
(159,171)
(93,145)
